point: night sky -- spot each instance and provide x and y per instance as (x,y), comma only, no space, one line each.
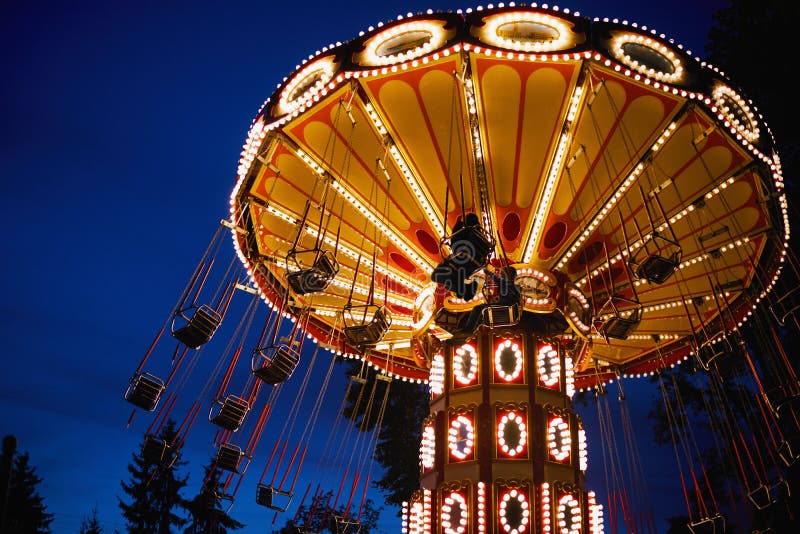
(122,124)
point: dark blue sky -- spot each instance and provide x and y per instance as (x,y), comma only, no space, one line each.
(122,124)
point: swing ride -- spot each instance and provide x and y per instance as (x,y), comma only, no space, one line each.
(510,204)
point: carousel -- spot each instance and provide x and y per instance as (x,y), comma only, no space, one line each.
(510,204)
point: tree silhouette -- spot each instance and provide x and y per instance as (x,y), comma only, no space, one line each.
(207,515)
(397,450)
(91,525)
(736,46)
(154,488)
(398,445)
(25,512)
(319,518)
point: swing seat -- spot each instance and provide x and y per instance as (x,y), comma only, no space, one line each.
(144,391)
(199,325)
(708,525)
(361,334)
(316,277)
(156,451)
(501,315)
(780,398)
(710,352)
(716,348)
(619,327)
(766,495)
(656,268)
(231,413)
(786,305)
(342,525)
(266,496)
(451,322)
(229,457)
(789,450)
(275,364)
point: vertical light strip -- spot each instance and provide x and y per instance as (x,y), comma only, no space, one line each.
(595,515)
(369,213)
(546,511)
(422,195)
(477,151)
(427,511)
(543,206)
(615,198)
(481,508)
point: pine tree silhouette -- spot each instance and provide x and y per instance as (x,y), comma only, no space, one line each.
(207,514)
(25,511)
(154,489)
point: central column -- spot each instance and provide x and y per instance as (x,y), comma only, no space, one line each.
(502,450)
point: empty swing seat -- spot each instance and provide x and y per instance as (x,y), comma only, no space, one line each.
(229,457)
(766,495)
(656,269)
(362,334)
(789,450)
(715,349)
(275,364)
(200,323)
(231,413)
(501,315)
(316,277)
(708,525)
(786,305)
(144,391)
(619,327)
(156,451)
(273,498)
(342,525)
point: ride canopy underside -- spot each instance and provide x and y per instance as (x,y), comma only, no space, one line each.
(633,189)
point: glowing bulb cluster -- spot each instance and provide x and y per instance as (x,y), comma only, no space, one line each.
(427,510)
(250,149)
(307,84)
(569,514)
(403,42)
(569,376)
(481,508)
(436,380)
(453,502)
(653,47)
(505,350)
(559,441)
(546,524)
(551,33)
(427,448)
(595,514)
(514,497)
(722,95)
(549,366)
(509,421)
(583,456)
(465,365)
(461,437)
(415,524)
